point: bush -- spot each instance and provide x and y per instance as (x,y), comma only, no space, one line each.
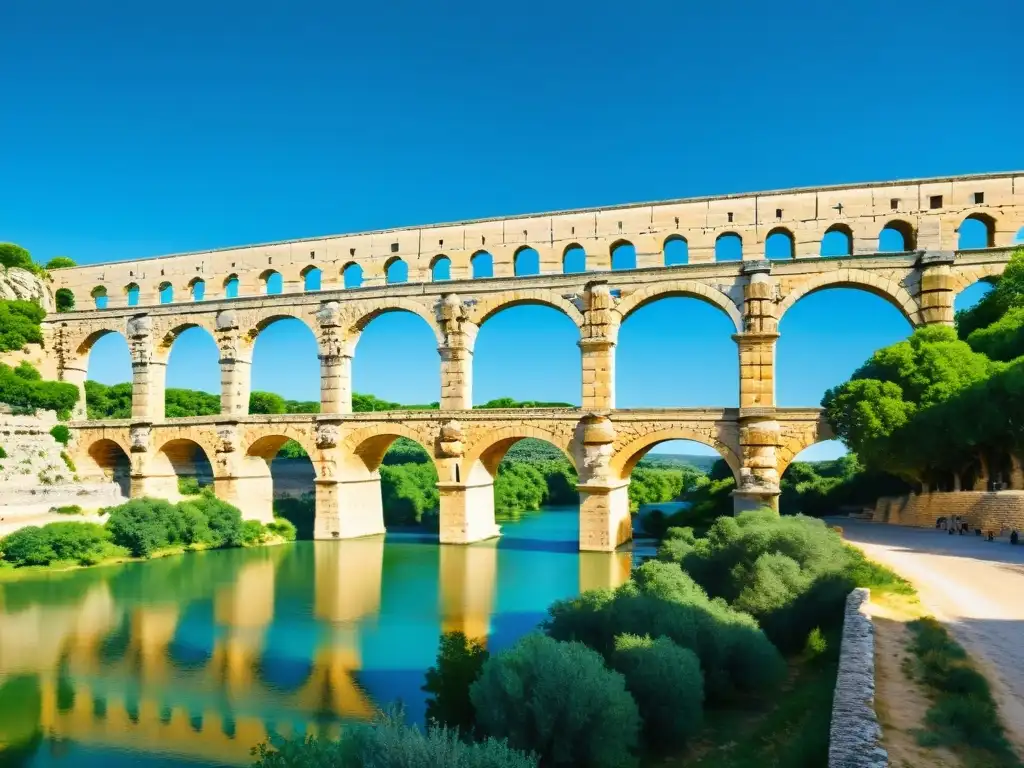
(67,461)
(666,682)
(145,525)
(64,299)
(283,528)
(387,743)
(19,324)
(558,700)
(70,509)
(60,262)
(661,600)
(23,388)
(816,644)
(459,661)
(188,486)
(253,532)
(223,521)
(61,434)
(12,255)
(3,453)
(56,541)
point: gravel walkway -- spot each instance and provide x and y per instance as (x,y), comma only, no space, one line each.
(976,587)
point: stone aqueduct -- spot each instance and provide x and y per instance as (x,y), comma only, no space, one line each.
(758,440)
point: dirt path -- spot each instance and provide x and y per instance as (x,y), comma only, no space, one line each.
(976,587)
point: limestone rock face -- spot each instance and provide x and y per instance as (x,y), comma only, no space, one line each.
(21,284)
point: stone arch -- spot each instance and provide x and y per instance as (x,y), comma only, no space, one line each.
(787,243)
(64,299)
(726,242)
(368,445)
(231,286)
(620,255)
(480,263)
(905,229)
(99,296)
(269,289)
(166,292)
(627,454)
(131,294)
(363,313)
(175,458)
(273,314)
(311,276)
(351,275)
(396,271)
(966,276)
(491,305)
(795,439)
(571,253)
(167,334)
(840,231)
(485,451)
(94,334)
(880,286)
(685,288)
(440,268)
(197,288)
(526,261)
(262,442)
(675,250)
(106,457)
(987,221)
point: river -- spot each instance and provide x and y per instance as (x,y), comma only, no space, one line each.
(195,659)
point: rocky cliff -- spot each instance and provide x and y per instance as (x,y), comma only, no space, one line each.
(21,284)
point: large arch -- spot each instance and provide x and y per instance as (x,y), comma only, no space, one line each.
(285,358)
(364,313)
(484,452)
(105,356)
(388,332)
(631,451)
(681,288)
(966,276)
(367,447)
(178,462)
(106,458)
(878,285)
(192,361)
(797,438)
(491,305)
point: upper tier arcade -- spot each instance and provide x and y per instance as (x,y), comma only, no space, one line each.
(922,214)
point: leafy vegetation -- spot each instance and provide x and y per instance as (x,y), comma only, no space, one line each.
(389,743)
(68,509)
(61,434)
(459,662)
(522,695)
(15,257)
(60,262)
(24,389)
(84,543)
(64,300)
(19,324)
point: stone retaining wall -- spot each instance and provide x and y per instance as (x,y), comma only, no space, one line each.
(855,738)
(991,511)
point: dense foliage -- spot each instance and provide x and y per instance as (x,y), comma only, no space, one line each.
(935,408)
(60,262)
(666,682)
(825,487)
(24,389)
(661,600)
(14,256)
(143,526)
(523,695)
(388,743)
(61,434)
(19,324)
(459,662)
(84,543)
(64,300)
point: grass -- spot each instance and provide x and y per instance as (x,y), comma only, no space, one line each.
(963,716)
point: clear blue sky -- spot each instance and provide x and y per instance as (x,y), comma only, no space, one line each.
(134,129)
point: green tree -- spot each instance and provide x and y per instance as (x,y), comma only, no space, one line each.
(1008,294)
(60,262)
(64,300)
(12,255)
(266,402)
(459,662)
(19,324)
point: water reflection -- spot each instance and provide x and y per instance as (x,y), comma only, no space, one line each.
(196,659)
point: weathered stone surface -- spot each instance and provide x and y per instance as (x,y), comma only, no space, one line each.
(21,284)
(855,738)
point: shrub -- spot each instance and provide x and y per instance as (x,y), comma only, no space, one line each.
(64,300)
(55,541)
(145,525)
(67,461)
(558,700)
(188,486)
(70,509)
(22,387)
(60,262)
(223,521)
(61,434)
(3,453)
(284,528)
(661,600)
(12,255)
(816,644)
(253,532)
(459,661)
(666,682)
(388,743)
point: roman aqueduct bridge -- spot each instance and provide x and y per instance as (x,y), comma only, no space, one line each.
(231,294)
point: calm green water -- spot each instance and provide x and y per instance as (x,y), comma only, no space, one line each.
(193,660)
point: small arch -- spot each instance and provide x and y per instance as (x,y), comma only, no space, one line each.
(676,250)
(440,269)
(166,293)
(574,259)
(837,241)
(1018,239)
(99,296)
(311,278)
(189,464)
(483,457)
(273,283)
(623,255)
(64,299)
(978,230)
(396,271)
(197,288)
(779,244)
(729,247)
(352,275)
(482,264)
(526,262)
(896,237)
(131,292)
(369,446)
(231,287)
